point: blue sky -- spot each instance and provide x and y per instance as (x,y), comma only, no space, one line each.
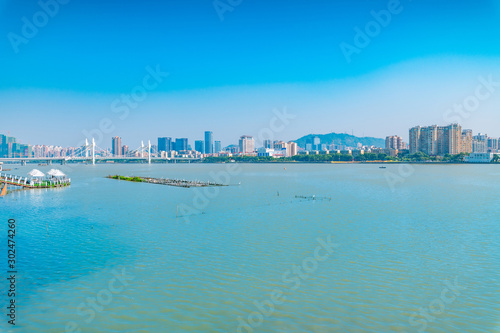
(228,75)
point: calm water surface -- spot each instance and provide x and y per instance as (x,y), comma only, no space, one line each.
(416,250)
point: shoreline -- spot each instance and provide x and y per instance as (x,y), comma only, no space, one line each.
(296,162)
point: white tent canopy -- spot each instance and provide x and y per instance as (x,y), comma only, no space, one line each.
(56,173)
(36,173)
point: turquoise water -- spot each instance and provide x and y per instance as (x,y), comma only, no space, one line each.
(411,250)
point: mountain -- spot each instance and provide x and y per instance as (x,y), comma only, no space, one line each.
(342,139)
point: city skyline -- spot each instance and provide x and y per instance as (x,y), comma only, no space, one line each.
(431,140)
(261,141)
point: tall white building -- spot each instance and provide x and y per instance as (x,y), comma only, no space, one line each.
(247,144)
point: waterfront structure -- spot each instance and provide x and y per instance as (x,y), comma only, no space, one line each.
(394,142)
(436,140)
(116,144)
(181,144)
(209,142)
(164,144)
(480,143)
(479,158)
(37,179)
(217,147)
(247,144)
(199,146)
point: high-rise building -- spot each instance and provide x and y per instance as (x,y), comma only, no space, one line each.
(291,148)
(124,150)
(436,140)
(415,139)
(116,146)
(164,144)
(394,142)
(279,145)
(480,143)
(316,141)
(450,139)
(493,145)
(268,144)
(199,146)
(467,141)
(209,142)
(217,147)
(181,144)
(247,144)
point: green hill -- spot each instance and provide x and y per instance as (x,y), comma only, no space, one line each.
(342,139)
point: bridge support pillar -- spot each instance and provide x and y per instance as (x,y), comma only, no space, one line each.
(93,151)
(149,151)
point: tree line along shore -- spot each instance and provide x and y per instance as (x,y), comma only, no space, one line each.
(345,158)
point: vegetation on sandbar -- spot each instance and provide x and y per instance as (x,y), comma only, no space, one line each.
(130,179)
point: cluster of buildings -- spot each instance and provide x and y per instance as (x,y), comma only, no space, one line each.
(452,139)
(168,147)
(278,149)
(314,146)
(432,140)
(9,147)
(52,151)
(180,147)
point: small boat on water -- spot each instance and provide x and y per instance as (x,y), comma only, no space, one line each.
(382,167)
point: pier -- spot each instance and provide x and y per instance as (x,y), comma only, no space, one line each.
(166,181)
(312,197)
(30,183)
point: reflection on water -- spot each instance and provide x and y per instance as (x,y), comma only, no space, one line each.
(399,251)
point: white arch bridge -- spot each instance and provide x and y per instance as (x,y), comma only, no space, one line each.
(91,153)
